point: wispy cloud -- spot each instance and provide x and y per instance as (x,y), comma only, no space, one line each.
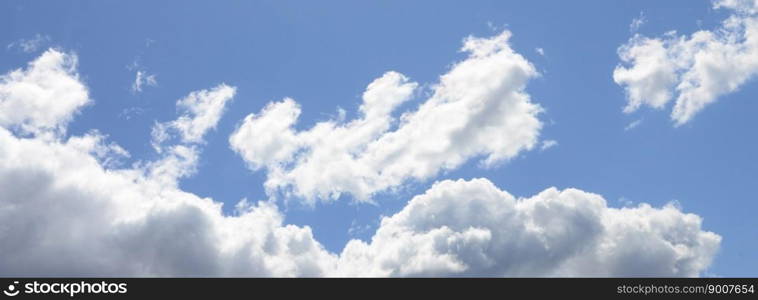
(30,45)
(358,229)
(547,144)
(633,125)
(637,22)
(131,112)
(143,79)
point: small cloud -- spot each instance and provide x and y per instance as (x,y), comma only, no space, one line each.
(490,25)
(357,229)
(633,125)
(243,206)
(637,22)
(134,65)
(547,144)
(675,204)
(341,113)
(143,79)
(131,112)
(540,51)
(626,202)
(30,45)
(495,28)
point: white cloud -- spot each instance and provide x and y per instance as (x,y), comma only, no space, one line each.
(68,210)
(30,45)
(131,112)
(472,228)
(650,79)
(43,97)
(742,6)
(540,51)
(637,22)
(127,222)
(65,215)
(633,125)
(200,112)
(698,69)
(143,79)
(547,144)
(356,228)
(478,109)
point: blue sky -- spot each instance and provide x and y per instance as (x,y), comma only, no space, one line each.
(324,55)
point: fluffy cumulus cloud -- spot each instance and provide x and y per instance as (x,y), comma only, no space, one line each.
(472,228)
(44,96)
(478,109)
(694,70)
(69,208)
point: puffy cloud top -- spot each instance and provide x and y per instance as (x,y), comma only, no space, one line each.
(472,228)
(478,108)
(43,97)
(695,70)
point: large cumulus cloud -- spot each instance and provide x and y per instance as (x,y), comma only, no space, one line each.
(478,109)
(64,211)
(67,207)
(472,228)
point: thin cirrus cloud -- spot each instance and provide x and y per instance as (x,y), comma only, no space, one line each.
(637,23)
(30,45)
(68,210)
(478,109)
(547,144)
(694,70)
